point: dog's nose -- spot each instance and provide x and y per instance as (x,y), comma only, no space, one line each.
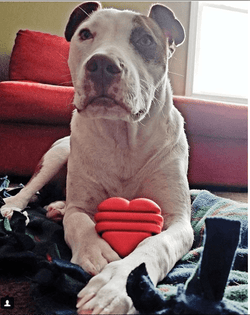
(102,69)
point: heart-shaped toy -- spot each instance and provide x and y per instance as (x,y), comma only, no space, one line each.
(124,224)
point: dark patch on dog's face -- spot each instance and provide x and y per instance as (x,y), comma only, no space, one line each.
(144,43)
(148,40)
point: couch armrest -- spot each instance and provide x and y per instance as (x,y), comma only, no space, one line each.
(217,135)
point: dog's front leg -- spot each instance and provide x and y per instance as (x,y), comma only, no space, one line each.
(48,167)
(94,255)
(106,292)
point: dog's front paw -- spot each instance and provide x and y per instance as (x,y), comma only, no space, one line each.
(90,251)
(7,211)
(12,204)
(106,292)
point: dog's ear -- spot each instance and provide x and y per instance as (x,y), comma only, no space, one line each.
(169,24)
(79,14)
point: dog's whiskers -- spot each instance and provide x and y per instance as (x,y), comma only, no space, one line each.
(141,123)
(176,73)
(84,11)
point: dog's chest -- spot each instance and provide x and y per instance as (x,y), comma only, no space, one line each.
(114,170)
(114,160)
(106,155)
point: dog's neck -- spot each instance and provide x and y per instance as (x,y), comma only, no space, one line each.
(125,146)
(130,135)
(113,133)
(117,132)
(123,135)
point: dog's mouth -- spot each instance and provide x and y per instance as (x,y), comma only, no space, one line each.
(106,102)
(107,106)
(103,106)
(103,101)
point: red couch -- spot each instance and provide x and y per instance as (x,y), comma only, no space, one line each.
(35,110)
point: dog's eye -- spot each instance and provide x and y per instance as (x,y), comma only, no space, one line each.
(85,34)
(145,40)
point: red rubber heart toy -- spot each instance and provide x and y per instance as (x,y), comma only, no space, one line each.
(124,224)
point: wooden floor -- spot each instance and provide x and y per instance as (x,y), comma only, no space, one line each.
(242,197)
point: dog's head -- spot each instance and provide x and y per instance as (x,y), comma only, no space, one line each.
(119,59)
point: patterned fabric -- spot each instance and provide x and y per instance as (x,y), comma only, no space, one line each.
(206,205)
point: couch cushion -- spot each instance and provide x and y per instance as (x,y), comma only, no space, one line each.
(35,103)
(40,57)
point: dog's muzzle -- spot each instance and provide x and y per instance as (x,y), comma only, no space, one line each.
(102,70)
(105,74)
(110,88)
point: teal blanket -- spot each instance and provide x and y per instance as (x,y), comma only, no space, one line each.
(216,291)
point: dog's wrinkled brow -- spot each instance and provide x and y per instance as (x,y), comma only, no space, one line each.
(143,25)
(148,25)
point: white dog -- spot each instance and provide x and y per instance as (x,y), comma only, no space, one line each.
(127,140)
